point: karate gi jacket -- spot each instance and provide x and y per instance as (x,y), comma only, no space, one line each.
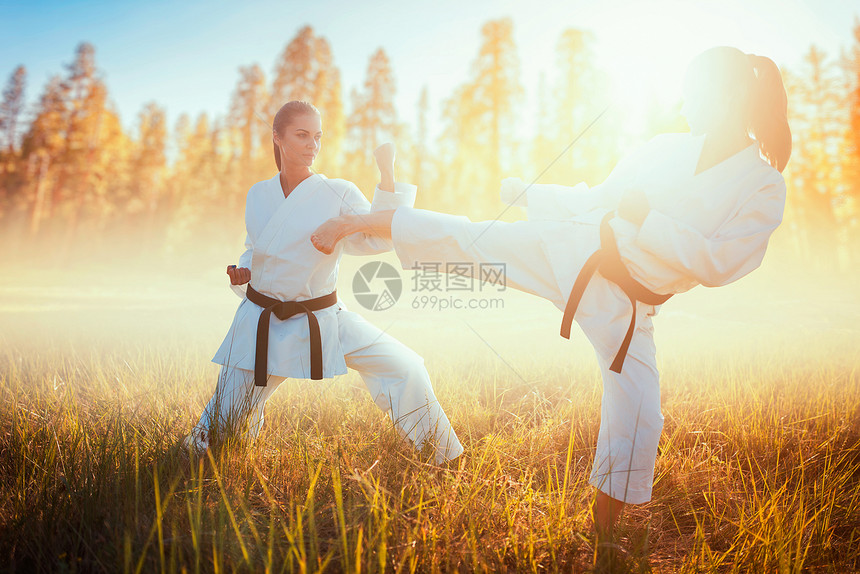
(285,265)
(709,228)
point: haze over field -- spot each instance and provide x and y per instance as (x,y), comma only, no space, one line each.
(130,134)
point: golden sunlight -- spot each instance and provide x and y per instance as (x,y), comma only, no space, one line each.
(294,301)
(645,47)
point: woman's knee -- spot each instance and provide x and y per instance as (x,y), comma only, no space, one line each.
(404,365)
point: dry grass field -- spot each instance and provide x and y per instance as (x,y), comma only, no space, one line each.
(103,372)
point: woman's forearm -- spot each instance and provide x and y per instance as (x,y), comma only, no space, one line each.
(327,235)
(385,162)
(386,180)
(377,224)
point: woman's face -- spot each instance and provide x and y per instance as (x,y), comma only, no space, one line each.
(700,107)
(300,141)
(712,97)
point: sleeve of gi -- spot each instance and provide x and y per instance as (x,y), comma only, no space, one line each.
(735,248)
(354,203)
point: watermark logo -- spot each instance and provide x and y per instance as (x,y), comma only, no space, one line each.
(437,286)
(377,286)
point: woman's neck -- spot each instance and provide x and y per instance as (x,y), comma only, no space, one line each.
(720,146)
(292,176)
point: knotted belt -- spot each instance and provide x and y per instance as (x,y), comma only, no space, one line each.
(285,310)
(607,260)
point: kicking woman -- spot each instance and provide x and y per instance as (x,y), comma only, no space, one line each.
(291,323)
(684,209)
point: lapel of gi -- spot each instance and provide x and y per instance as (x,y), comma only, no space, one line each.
(288,208)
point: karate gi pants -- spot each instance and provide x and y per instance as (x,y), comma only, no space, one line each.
(393,373)
(630,418)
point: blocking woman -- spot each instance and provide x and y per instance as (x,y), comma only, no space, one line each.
(290,323)
(684,209)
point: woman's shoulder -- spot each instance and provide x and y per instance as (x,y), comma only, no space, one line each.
(768,174)
(771,180)
(766,183)
(262,185)
(342,186)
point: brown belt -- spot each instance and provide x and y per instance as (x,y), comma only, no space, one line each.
(607,260)
(285,310)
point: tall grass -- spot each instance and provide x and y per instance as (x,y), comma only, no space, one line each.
(758,469)
(758,472)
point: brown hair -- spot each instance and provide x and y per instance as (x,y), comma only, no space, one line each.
(762,101)
(285,115)
(768,120)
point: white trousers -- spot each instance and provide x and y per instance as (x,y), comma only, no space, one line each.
(393,373)
(630,421)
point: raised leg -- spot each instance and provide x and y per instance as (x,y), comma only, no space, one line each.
(426,236)
(515,250)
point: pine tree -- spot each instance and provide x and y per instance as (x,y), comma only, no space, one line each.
(247,104)
(41,149)
(814,170)
(581,95)
(149,161)
(194,189)
(478,144)
(328,99)
(11,108)
(851,155)
(373,120)
(86,98)
(10,118)
(497,87)
(293,78)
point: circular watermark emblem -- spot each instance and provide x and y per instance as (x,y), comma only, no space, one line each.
(377,286)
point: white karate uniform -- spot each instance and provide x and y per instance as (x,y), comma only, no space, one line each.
(285,265)
(709,228)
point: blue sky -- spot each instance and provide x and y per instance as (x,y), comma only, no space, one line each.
(185,55)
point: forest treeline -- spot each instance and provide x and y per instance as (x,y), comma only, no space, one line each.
(73,178)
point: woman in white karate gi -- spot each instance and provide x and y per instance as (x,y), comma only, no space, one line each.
(312,334)
(684,209)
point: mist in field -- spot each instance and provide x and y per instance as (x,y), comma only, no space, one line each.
(105,367)
(117,297)
(116,232)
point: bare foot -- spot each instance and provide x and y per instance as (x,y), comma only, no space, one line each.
(384,155)
(327,235)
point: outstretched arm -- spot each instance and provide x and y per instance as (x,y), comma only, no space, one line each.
(376,224)
(384,155)
(361,232)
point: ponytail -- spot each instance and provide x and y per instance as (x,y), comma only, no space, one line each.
(283,118)
(277,155)
(769,112)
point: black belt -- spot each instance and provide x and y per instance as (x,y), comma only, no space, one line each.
(607,260)
(285,310)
